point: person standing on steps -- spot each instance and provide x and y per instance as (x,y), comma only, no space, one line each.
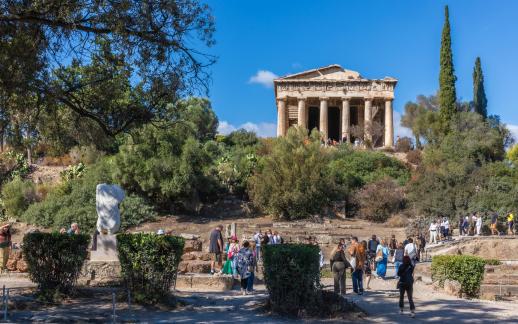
(406,284)
(216,248)
(479,224)
(339,263)
(510,224)
(433,232)
(494,222)
(258,237)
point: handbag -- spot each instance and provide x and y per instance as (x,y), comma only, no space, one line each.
(352,262)
(379,256)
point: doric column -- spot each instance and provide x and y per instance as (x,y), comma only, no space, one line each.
(346,119)
(324,118)
(389,124)
(281,117)
(368,119)
(302,113)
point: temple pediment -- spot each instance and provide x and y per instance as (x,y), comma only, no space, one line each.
(331,72)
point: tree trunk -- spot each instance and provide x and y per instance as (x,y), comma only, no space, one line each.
(29,148)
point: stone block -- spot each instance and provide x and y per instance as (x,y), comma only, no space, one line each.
(11,264)
(21,266)
(188,256)
(15,254)
(203,256)
(106,249)
(453,288)
(192,245)
(198,267)
(98,272)
(188,236)
(183,282)
(182,267)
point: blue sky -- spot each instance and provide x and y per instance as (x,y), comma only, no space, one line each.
(376,38)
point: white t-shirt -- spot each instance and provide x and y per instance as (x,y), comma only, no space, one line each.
(410,250)
(446,224)
(433,227)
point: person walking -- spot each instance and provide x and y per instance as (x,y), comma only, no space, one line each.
(371,251)
(446,228)
(216,248)
(358,256)
(5,245)
(398,256)
(494,224)
(339,263)
(406,285)
(258,238)
(479,224)
(510,224)
(245,262)
(411,251)
(393,245)
(382,254)
(433,232)
(367,269)
(465,226)
(421,244)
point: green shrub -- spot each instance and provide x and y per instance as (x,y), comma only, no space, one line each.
(403,144)
(353,169)
(54,261)
(135,211)
(73,172)
(467,270)
(73,201)
(17,195)
(13,165)
(149,264)
(292,277)
(493,262)
(293,181)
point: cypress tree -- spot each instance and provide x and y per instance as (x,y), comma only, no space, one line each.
(479,94)
(447,93)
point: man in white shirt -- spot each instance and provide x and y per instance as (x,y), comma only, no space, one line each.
(411,251)
(446,225)
(433,232)
(479,224)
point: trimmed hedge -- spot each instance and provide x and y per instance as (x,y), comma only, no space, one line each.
(292,277)
(466,269)
(54,261)
(149,264)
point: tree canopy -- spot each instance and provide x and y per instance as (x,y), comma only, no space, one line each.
(447,92)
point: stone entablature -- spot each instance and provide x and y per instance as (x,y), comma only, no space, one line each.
(331,88)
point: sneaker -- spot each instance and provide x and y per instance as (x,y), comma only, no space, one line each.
(211,272)
(412,314)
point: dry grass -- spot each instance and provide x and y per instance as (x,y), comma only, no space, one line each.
(397,220)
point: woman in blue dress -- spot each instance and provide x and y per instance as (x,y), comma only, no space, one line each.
(382,253)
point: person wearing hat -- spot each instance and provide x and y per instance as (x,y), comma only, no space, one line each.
(5,244)
(231,251)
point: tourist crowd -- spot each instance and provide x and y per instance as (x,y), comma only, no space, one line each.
(241,260)
(365,258)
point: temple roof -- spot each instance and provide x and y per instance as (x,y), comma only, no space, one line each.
(331,72)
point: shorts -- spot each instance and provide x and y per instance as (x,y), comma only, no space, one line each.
(493,226)
(216,257)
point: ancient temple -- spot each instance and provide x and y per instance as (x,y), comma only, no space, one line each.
(340,103)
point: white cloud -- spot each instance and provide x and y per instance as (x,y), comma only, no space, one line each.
(513,129)
(400,130)
(261,129)
(263,77)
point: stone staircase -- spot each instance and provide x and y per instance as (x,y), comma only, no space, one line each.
(500,282)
